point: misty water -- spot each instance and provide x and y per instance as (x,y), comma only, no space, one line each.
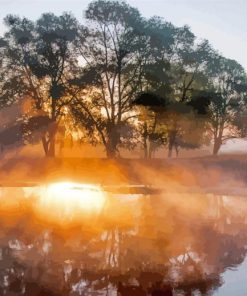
(167,244)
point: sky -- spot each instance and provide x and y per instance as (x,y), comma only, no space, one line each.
(222,22)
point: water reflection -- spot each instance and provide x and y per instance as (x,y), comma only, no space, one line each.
(167,244)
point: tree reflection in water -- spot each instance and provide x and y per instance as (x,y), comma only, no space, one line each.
(174,244)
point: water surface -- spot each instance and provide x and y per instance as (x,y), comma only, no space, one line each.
(161,244)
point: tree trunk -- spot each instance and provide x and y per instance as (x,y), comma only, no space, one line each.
(151,150)
(145,139)
(45,144)
(111,148)
(49,143)
(171,142)
(217,145)
(52,145)
(151,141)
(110,153)
(169,152)
(177,150)
(113,141)
(218,140)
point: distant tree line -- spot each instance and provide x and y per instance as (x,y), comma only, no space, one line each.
(120,80)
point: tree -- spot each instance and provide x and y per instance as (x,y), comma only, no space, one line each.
(40,56)
(228,85)
(185,126)
(151,108)
(113,51)
(179,124)
(240,122)
(155,83)
(186,122)
(93,75)
(176,71)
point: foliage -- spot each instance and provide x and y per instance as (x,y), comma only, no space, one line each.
(121,79)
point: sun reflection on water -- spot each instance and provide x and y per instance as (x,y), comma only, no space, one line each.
(67,199)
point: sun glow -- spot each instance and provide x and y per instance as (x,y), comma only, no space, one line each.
(70,200)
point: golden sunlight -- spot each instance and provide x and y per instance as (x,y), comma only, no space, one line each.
(68,200)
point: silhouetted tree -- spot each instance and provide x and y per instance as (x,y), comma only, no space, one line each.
(89,75)
(228,80)
(40,58)
(113,49)
(151,108)
(179,124)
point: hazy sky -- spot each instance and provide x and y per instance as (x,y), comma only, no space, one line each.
(222,22)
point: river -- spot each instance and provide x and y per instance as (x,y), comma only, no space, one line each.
(78,240)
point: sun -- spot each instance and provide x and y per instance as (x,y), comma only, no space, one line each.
(68,199)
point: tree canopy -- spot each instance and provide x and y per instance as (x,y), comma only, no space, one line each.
(119,80)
